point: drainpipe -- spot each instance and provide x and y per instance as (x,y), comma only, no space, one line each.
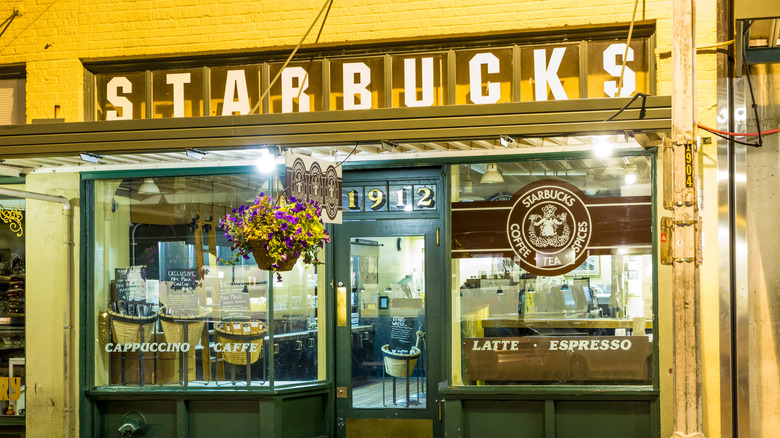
(67,211)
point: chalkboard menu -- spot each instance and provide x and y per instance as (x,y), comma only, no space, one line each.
(182,299)
(129,284)
(183,279)
(121,284)
(402,335)
(234,301)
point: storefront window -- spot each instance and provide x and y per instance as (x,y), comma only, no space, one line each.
(553,272)
(12,307)
(171,310)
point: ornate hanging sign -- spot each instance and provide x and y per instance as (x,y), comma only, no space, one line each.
(310,179)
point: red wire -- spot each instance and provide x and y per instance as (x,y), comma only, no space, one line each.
(738,134)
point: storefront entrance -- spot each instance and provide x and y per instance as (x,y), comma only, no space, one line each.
(389,298)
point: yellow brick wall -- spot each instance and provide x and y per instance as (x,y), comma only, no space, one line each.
(52,37)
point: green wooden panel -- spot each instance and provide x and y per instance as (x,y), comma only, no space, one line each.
(605,419)
(223,419)
(160,417)
(313,409)
(521,419)
(12,432)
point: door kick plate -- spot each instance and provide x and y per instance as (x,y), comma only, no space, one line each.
(341,392)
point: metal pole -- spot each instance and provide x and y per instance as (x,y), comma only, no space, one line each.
(681,160)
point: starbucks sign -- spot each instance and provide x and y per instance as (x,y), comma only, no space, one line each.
(549,227)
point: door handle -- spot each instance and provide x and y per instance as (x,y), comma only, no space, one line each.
(341,317)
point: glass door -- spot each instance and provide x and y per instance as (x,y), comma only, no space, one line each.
(389,309)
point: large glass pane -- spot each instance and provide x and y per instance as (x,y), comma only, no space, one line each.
(296,321)
(388,322)
(172,311)
(553,272)
(12,307)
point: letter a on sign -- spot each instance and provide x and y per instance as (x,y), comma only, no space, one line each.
(548,74)
(235,83)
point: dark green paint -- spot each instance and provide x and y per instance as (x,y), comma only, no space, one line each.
(605,419)
(182,419)
(522,419)
(549,419)
(274,411)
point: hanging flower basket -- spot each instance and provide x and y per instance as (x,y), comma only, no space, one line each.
(276,234)
(263,258)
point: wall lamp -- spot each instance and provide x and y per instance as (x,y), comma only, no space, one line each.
(506,140)
(90,157)
(388,145)
(195,153)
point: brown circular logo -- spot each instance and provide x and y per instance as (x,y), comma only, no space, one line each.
(549,227)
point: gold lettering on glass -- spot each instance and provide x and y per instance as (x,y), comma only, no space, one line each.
(14,218)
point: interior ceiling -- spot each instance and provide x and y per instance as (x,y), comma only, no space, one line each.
(352,153)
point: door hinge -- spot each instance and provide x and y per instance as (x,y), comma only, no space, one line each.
(438,240)
(439,402)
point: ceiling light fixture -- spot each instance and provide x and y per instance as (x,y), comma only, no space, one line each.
(266,162)
(591,187)
(148,187)
(90,157)
(506,140)
(601,147)
(195,153)
(468,189)
(631,176)
(492,175)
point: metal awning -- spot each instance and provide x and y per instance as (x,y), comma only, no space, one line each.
(420,130)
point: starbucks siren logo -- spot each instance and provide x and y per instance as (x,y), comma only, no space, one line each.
(549,227)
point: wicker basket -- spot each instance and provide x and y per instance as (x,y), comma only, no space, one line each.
(127,329)
(264,261)
(173,326)
(229,337)
(400,365)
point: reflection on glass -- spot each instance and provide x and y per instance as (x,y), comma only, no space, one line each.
(591,325)
(388,322)
(172,312)
(12,307)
